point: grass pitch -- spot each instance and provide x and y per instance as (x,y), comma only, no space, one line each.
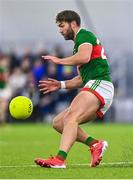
(21,143)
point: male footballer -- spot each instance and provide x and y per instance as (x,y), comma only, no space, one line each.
(94,99)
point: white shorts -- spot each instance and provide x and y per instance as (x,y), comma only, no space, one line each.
(5,93)
(104,91)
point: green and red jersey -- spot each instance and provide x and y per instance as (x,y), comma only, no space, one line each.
(97,68)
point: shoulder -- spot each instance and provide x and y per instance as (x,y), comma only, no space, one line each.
(85,36)
(85,33)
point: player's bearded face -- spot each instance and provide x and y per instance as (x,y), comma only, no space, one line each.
(69,35)
(66,30)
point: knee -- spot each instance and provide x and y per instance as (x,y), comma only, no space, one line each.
(56,125)
(71,118)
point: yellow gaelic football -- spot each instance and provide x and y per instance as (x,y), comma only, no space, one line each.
(20,107)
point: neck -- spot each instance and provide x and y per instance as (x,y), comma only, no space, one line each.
(77,29)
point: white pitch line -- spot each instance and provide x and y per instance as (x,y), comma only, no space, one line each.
(18,166)
(29,165)
(111,163)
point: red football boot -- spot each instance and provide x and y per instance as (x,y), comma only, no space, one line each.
(97,151)
(52,162)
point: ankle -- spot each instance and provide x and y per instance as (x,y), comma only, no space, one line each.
(93,142)
(90,141)
(60,158)
(62,155)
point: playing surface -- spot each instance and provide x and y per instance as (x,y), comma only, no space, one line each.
(20,144)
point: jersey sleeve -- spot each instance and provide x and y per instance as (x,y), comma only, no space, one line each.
(85,38)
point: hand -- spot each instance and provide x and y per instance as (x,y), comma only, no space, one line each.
(49,85)
(53,59)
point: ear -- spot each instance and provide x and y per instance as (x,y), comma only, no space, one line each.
(73,24)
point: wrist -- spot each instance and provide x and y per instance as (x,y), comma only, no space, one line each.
(63,84)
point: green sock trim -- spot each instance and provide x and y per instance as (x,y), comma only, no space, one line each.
(89,140)
(63,154)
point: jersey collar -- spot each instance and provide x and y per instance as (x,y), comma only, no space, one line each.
(78,31)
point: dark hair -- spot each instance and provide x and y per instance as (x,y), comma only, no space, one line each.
(68,16)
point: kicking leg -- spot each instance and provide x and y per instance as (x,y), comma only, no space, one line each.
(82,108)
(82,136)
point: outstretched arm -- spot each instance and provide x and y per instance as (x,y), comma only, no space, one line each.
(50,85)
(81,57)
(76,82)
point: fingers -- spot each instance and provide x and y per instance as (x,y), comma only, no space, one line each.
(43,57)
(53,80)
(48,91)
(46,86)
(43,83)
(49,80)
(45,90)
(47,57)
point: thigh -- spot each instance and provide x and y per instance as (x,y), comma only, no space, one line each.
(84,107)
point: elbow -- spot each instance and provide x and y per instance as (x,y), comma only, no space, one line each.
(85,59)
